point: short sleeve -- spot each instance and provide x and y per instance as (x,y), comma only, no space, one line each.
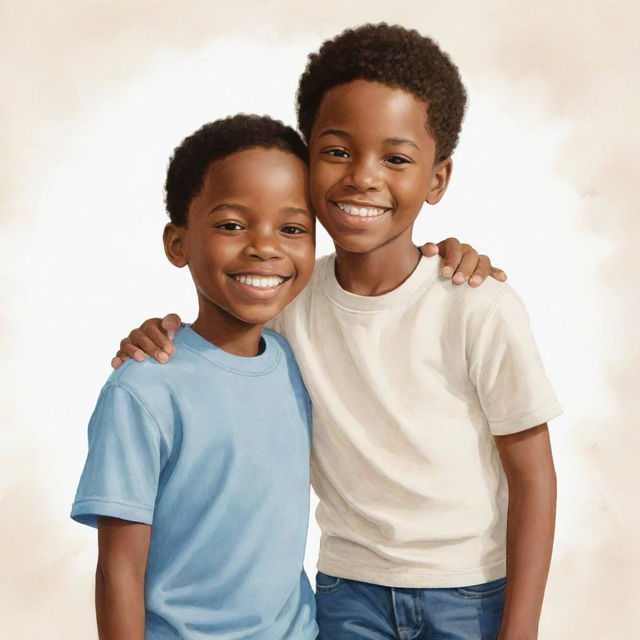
(122,470)
(507,371)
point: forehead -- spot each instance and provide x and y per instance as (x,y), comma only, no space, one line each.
(258,178)
(256,167)
(372,109)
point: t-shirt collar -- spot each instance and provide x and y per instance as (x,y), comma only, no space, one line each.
(422,276)
(253,365)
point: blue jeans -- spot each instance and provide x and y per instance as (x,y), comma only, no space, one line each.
(352,610)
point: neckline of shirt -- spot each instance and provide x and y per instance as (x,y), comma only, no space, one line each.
(425,273)
(257,365)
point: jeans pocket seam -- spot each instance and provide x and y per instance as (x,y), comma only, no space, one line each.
(481,594)
(329,589)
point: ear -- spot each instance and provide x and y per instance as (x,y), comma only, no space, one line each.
(439,181)
(174,244)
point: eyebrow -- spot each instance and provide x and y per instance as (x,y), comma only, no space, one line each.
(402,141)
(335,132)
(304,212)
(243,209)
(229,205)
(394,141)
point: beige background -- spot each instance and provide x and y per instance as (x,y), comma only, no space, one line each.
(95,94)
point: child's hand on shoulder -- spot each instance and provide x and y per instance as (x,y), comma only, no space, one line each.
(152,338)
(462,263)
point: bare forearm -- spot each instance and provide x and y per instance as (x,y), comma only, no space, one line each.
(119,605)
(122,561)
(530,527)
(528,464)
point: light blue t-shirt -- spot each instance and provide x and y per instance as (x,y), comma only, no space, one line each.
(212,450)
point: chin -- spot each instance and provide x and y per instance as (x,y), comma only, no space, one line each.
(358,245)
(257,317)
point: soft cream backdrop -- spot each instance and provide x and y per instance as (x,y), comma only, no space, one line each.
(94,97)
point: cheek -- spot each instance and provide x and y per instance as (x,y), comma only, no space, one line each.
(323,176)
(412,190)
(211,255)
(303,257)
(306,252)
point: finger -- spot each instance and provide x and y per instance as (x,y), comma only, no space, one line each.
(498,274)
(146,340)
(467,266)
(451,252)
(154,331)
(130,349)
(171,323)
(429,249)
(119,359)
(482,271)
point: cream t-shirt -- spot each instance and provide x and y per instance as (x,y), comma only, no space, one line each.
(408,390)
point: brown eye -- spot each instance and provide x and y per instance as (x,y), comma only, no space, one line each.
(336,153)
(292,230)
(229,226)
(397,160)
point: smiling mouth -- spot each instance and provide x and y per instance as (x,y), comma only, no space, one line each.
(259,281)
(361,211)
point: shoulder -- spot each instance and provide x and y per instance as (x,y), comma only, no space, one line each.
(323,261)
(288,359)
(143,376)
(288,369)
(296,313)
(277,341)
(148,378)
(134,390)
(145,393)
(321,270)
(472,301)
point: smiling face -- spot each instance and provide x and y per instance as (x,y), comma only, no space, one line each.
(373,166)
(249,238)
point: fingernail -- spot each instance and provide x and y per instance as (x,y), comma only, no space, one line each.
(458,278)
(475,280)
(171,334)
(447,272)
(163,357)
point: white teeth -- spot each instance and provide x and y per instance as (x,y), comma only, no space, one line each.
(256,281)
(362,212)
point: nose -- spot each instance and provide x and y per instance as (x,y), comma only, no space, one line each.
(364,175)
(264,244)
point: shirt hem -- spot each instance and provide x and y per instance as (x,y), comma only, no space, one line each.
(533,418)
(87,511)
(411,578)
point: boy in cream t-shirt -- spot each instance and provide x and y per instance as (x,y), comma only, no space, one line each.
(431,455)
(408,390)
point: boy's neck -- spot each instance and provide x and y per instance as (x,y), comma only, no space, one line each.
(379,271)
(228,333)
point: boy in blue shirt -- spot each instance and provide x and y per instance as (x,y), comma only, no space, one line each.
(431,454)
(197,475)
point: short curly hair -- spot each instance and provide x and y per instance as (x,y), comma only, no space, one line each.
(217,140)
(395,56)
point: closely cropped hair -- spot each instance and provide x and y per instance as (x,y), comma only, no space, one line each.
(395,56)
(215,141)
